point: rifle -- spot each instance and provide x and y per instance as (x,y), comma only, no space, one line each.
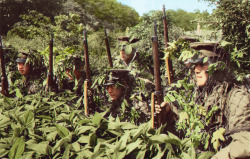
(108,48)
(50,73)
(4,81)
(87,82)
(158,90)
(168,62)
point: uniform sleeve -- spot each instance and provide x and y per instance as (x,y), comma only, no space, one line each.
(238,116)
(237,110)
(238,148)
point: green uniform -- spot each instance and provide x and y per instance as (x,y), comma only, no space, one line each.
(30,85)
(234,116)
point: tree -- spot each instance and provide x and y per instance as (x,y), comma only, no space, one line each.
(233,18)
(111,12)
(12,9)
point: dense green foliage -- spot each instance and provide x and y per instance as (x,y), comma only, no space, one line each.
(232,17)
(54,125)
(51,127)
(12,9)
(188,21)
(111,12)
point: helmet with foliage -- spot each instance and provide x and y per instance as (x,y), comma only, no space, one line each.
(35,61)
(120,78)
(128,44)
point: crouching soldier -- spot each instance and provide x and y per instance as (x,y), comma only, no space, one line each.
(216,86)
(33,73)
(120,85)
(75,75)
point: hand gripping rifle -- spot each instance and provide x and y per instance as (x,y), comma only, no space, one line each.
(169,67)
(50,73)
(157,79)
(87,82)
(108,48)
(4,81)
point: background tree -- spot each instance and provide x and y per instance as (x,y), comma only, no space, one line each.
(233,18)
(10,10)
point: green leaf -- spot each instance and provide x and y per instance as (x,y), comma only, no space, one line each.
(76,146)
(84,139)
(40,148)
(66,152)
(3,152)
(205,59)
(17,149)
(96,119)
(18,93)
(134,145)
(4,121)
(28,117)
(206,155)
(62,131)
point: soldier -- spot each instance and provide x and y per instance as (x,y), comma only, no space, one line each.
(218,88)
(120,86)
(75,75)
(33,73)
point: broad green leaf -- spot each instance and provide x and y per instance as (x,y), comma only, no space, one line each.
(18,93)
(183,116)
(206,155)
(134,145)
(17,149)
(84,139)
(93,140)
(185,155)
(76,146)
(142,152)
(4,121)
(66,152)
(205,59)
(84,129)
(3,152)
(96,119)
(28,117)
(62,131)
(40,148)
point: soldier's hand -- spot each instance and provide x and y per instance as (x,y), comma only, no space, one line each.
(164,106)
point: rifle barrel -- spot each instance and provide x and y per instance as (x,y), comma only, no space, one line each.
(108,48)
(169,67)
(50,74)
(156,60)
(85,43)
(4,81)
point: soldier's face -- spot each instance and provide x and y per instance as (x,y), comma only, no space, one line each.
(124,56)
(23,68)
(201,74)
(114,92)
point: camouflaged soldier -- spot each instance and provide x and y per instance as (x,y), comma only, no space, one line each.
(120,85)
(33,73)
(217,88)
(75,75)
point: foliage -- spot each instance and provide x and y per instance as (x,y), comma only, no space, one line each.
(232,17)
(11,9)
(53,127)
(111,12)
(188,21)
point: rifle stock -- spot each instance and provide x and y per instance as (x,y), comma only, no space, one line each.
(108,48)
(4,80)
(50,73)
(168,62)
(157,78)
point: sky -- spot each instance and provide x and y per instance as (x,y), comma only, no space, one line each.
(144,6)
